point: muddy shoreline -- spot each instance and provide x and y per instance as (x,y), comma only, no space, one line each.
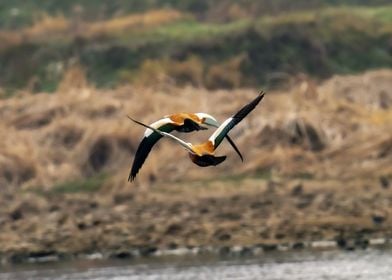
(250,216)
(221,252)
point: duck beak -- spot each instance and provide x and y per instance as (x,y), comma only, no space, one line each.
(211,122)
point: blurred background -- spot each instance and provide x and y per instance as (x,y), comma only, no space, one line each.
(318,149)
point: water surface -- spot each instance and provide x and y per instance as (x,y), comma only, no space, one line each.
(335,265)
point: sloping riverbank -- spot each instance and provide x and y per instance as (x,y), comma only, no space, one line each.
(317,167)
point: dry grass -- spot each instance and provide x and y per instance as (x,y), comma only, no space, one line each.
(59,28)
(226,74)
(158,71)
(191,71)
(81,132)
(145,20)
(74,78)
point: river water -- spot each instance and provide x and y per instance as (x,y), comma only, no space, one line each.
(335,265)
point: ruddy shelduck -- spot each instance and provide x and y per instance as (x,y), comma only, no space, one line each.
(204,154)
(182,122)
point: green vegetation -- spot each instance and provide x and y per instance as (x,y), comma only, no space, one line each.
(85,185)
(303,176)
(262,174)
(243,52)
(17,13)
(91,184)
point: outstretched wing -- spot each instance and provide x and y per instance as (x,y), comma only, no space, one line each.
(217,137)
(234,147)
(211,121)
(150,138)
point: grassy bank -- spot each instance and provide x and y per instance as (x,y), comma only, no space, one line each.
(171,46)
(19,13)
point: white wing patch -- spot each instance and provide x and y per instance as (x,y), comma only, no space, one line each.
(157,125)
(208,119)
(205,116)
(219,130)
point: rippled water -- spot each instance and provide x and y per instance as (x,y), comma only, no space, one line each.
(336,265)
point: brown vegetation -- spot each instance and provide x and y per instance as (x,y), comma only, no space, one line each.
(335,130)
